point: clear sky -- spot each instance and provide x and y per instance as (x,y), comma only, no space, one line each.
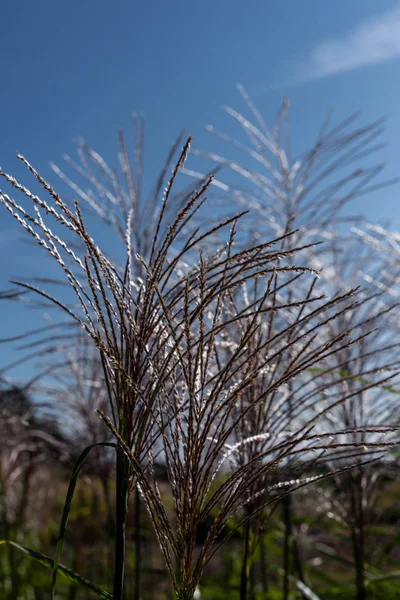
(81,68)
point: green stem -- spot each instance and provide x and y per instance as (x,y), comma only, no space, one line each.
(358,551)
(297,563)
(264,567)
(287,521)
(358,534)
(138,546)
(244,576)
(122,493)
(252,582)
(106,492)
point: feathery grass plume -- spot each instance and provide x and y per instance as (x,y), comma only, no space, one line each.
(120,313)
(140,224)
(220,385)
(307,193)
(372,406)
(384,243)
(176,387)
(310,395)
(132,321)
(117,198)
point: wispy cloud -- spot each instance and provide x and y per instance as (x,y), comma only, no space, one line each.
(373,41)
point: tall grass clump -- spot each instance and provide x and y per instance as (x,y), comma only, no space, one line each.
(308,193)
(358,492)
(201,343)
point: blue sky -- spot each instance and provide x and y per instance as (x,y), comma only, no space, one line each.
(82,68)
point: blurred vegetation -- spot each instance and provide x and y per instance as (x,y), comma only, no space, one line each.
(324,549)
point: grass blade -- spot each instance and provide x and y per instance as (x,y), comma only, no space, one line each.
(384,577)
(48,562)
(305,590)
(67,506)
